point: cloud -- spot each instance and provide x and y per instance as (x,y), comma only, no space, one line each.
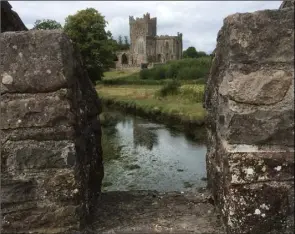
(199,21)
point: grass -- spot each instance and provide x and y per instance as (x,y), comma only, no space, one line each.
(110,75)
(187,104)
(132,78)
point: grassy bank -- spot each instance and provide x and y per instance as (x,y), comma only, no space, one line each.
(170,93)
(186,71)
(183,109)
(133,78)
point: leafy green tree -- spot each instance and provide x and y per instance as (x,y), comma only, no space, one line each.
(201,54)
(46,24)
(126,43)
(120,42)
(190,52)
(86,28)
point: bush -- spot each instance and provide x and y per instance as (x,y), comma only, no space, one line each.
(159,73)
(171,88)
(171,71)
(144,74)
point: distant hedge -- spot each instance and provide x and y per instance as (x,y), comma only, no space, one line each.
(184,69)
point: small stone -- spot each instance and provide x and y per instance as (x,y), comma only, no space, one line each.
(257,212)
(278,168)
(7,79)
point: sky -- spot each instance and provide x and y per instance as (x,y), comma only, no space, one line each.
(198,21)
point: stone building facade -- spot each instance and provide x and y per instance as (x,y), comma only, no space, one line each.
(146,46)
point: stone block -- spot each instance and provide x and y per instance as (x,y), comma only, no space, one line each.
(36,61)
(255,167)
(20,156)
(46,134)
(261,101)
(36,110)
(17,191)
(252,37)
(269,204)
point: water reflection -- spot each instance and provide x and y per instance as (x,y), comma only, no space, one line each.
(139,154)
(143,136)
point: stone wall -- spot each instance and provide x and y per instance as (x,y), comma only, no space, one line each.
(250,103)
(10,20)
(51,157)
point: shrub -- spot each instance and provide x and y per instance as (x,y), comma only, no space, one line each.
(184,69)
(144,74)
(170,88)
(171,71)
(158,73)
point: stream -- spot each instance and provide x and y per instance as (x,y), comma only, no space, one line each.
(142,155)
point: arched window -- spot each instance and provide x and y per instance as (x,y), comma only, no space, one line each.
(159,58)
(124,59)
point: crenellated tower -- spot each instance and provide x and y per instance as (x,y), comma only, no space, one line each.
(140,29)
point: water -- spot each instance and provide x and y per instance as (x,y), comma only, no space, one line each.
(141,155)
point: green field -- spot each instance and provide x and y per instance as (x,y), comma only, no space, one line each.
(173,89)
(187,104)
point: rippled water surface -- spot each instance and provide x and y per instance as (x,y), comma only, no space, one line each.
(139,154)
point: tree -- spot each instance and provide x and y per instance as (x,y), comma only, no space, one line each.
(201,54)
(120,42)
(46,24)
(126,43)
(190,52)
(86,29)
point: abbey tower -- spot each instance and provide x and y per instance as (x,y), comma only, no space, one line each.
(146,46)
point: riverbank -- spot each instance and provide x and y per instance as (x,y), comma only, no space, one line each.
(183,111)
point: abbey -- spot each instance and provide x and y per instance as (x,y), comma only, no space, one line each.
(146,46)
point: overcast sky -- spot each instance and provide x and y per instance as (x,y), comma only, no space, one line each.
(199,21)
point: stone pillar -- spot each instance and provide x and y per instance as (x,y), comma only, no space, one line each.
(250,102)
(51,157)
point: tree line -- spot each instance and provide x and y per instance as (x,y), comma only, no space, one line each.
(87,30)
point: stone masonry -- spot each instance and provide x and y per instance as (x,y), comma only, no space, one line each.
(51,157)
(250,103)
(146,46)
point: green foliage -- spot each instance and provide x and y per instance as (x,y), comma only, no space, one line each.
(191,52)
(86,28)
(46,24)
(185,69)
(194,93)
(159,72)
(120,45)
(170,88)
(144,74)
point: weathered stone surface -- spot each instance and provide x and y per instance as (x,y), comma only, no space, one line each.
(23,155)
(35,133)
(267,204)
(31,57)
(287,4)
(50,135)
(10,20)
(36,110)
(250,102)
